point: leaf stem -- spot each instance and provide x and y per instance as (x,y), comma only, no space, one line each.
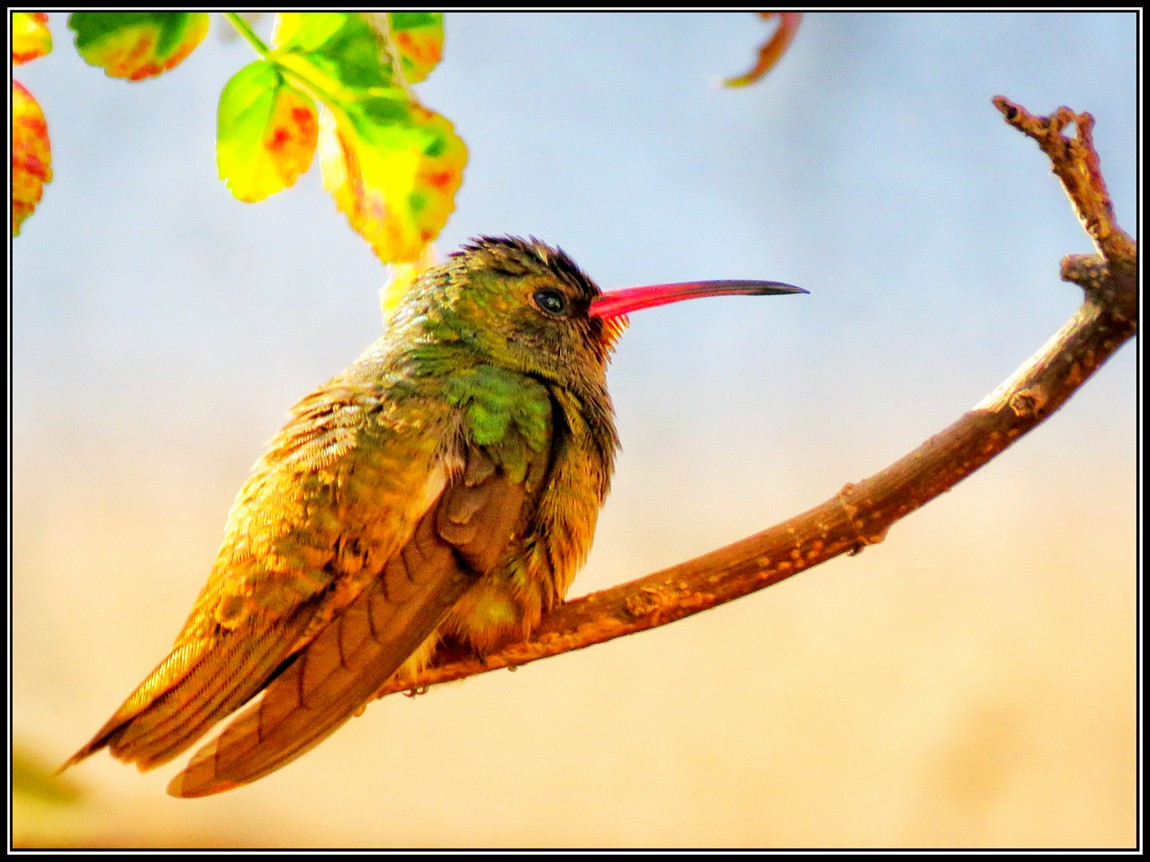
(323,93)
(249,35)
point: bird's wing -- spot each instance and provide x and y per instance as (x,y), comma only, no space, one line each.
(338,494)
(457,540)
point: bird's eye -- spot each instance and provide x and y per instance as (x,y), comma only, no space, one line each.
(550,300)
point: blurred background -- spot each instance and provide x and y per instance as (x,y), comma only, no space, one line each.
(970,682)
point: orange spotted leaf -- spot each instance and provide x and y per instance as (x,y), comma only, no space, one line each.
(30,36)
(31,155)
(393,168)
(266,132)
(137,45)
(418,36)
(772,50)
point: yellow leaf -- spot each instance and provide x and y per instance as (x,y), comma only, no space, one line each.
(30,36)
(395,181)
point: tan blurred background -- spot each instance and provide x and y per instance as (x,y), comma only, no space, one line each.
(971,682)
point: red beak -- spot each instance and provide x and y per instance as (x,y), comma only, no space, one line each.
(616,303)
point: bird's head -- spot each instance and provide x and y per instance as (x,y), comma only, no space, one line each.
(527,306)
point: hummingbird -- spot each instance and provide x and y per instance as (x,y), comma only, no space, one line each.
(444,487)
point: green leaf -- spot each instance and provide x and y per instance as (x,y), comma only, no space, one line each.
(418,36)
(30,36)
(394,179)
(392,166)
(266,132)
(137,45)
(338,51)
(307,31)
(31,155)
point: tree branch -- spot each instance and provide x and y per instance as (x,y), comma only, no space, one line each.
(862,513)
